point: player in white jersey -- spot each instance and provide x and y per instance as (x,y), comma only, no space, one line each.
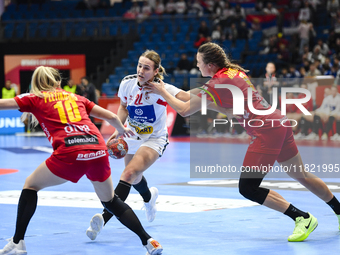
(145,114)
(326,113)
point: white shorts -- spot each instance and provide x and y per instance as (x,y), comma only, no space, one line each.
(158,144)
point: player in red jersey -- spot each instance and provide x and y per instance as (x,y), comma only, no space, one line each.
(272,142)
(79,149)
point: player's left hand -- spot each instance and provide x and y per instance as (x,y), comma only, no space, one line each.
(154,87)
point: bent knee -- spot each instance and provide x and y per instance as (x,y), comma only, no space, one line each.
(253,193)
(129,174)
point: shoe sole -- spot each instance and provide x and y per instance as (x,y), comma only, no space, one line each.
(154,206)
(157,252)
(97,223)
(310,230)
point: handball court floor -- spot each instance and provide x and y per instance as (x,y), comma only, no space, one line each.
(195,217)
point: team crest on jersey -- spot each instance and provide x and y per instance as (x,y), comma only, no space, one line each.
(139,111)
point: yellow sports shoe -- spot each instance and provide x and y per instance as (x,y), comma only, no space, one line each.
(338,215)
(303,227)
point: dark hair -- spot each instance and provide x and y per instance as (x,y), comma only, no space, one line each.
(213,53)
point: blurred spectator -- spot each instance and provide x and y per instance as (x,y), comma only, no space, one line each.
(146,9)
(324,49)
(201,39)
(170,7)
(271,46)
(313,71)
(243,31)
(258,7)
(209,5)
(332,7)
(305,64)
(159,7)
(133,12)
(305,52)
(240,13)
(203,29)
(314,3)
(336,23)
(232,33)
(87,89)
(195,8)
(184,65)
(8,91)
(269,82)
(283,55)
(305,13)
(181,7)
(296,4)
(326,66)
(283,78)
(270,9)
(304,32)
(217,34)
(328,108)
(293,76)
(337,46)
(316,55)
(227,16)
(303,71)
(332,71)
(194,69)
(218,9)
(70,86)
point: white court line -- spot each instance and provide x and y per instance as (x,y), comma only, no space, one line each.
(181,204)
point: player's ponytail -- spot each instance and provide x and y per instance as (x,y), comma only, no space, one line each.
(161,72)
(156,59)
(213,53)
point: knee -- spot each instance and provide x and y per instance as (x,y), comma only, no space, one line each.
(129,174)
(252,192)
(29,185)
(246,190)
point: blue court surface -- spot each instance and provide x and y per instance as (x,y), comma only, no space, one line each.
(196,216)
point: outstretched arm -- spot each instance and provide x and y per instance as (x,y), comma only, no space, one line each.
(8,104)
(183,108)
(111,118)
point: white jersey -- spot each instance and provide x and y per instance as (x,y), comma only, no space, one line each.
(330,105)
(147,111)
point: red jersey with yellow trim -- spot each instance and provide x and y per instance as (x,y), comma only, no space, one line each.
(224,98)
(64,117)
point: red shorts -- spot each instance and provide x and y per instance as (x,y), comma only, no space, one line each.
(72,166)
(277,141)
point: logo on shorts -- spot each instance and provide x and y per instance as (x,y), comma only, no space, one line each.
(91,155)
(80,140)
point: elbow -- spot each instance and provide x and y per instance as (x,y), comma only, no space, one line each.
(184,113)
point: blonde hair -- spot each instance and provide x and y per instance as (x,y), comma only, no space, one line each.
(213,53)
(156,59)
(43,79)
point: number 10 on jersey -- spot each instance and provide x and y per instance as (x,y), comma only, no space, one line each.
(71,108)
